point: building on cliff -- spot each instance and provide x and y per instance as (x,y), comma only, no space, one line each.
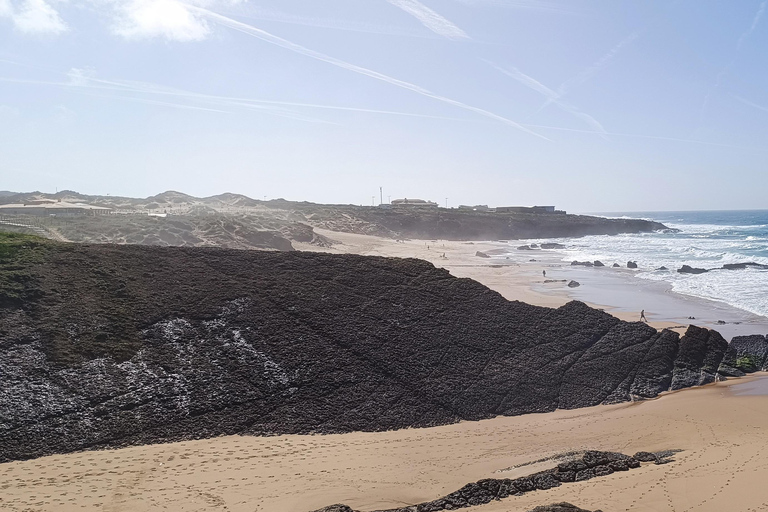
(476,208)
(43,207)
(413,203)
(528,209)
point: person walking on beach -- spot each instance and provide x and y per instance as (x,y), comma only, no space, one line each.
(642,316)
(544,273)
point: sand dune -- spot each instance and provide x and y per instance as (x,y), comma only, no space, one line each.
(724,438)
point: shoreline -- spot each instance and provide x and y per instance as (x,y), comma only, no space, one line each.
(511,273)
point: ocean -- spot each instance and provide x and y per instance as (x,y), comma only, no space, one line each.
(707,239)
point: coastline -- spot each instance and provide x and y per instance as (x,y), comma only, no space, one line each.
(720,429)
(514,275)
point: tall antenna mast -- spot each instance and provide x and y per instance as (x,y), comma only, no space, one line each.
(381,193)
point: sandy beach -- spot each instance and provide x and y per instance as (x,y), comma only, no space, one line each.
(722,466)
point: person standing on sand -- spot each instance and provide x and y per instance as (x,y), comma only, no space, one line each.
(544,273)
(642,316)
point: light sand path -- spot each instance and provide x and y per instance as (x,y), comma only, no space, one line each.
(724,464)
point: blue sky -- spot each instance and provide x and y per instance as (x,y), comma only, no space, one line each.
(586,104)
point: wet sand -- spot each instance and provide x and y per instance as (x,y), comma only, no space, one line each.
(723,465)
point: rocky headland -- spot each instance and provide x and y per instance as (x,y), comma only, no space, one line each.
(239,222)
(110,345)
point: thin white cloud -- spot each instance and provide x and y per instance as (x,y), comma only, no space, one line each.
(430,19)
(551,95)
(590,71)
(6,9)
(284,43)
(169,19)
(34,17)
(172,20)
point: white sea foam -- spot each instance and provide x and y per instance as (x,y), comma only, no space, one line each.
(700,244)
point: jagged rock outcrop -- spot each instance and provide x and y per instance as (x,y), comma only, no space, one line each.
(106,346)
(687,269)
(742,266)
(698,358)
(592,464)
(560,507)
(552,245)
(745,354)
(631,264)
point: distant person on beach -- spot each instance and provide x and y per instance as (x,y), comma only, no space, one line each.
(642,316)
(544,273)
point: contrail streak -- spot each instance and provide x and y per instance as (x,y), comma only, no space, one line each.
(127,87)
(753,26)
(754,105)
(551,95)
(589,72)
(278,41)
(724,71)
(146,88)
(430,19)
(268,105)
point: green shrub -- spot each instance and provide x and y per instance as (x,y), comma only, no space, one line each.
(747,363)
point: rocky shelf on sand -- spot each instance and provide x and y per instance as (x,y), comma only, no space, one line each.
(591,464)
(109,346)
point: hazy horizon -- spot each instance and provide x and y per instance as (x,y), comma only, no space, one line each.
(589,105)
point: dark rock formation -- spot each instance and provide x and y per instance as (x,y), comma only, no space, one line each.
(631,264)
(598,263)
(745,354)
(107,346)
(582,263)
(480,254)
(525,248)
(573,284)
(686,269)
(591,464)
(662,268)
(560,507)
(742,266)
(616,265)
(698,358)
(552,245)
